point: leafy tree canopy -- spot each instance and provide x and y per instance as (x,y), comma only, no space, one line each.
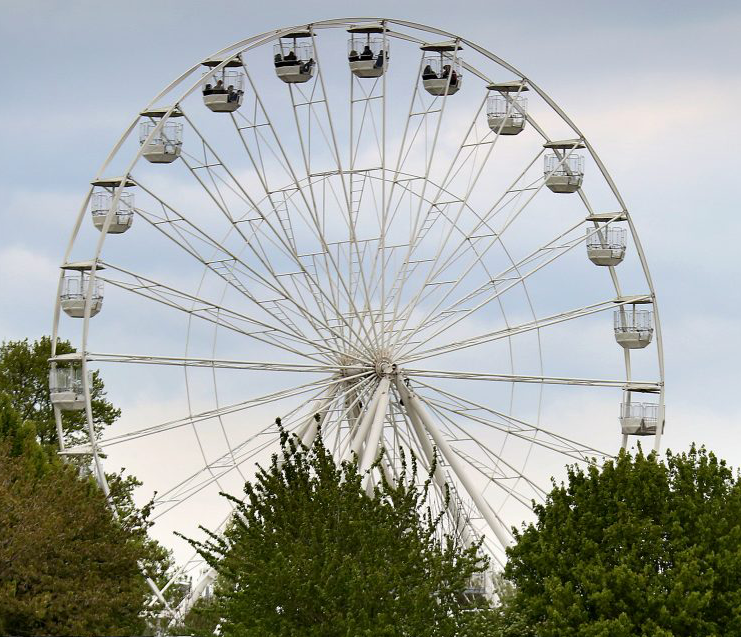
(638,547)
(67,566)
(24,376)
(24,382)
(310,553)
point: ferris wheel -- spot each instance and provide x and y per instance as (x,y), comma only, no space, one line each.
(368,227)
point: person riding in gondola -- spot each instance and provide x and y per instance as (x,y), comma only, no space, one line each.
(428,73)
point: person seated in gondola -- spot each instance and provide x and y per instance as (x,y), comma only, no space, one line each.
(446,72)
(379,61)
(428,73)
(367,53)
(208,89)
(353,56)
(291,57)
(306,66)
(278,59)
(219,88)
(231,93)
(453,78)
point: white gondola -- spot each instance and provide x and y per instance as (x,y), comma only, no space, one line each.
(293,57)
(639,419)
(223,90)
(368,55)
(606,245)
(75,286)
(633,327)
(165,145)
(506,113)
(101,203)
(441,71)
(564,171)
(66,389)
(476,588)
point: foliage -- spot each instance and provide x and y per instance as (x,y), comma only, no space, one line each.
(67,566)
(24,376)
(203,619)
(156,561)
(309,553)
(640,547)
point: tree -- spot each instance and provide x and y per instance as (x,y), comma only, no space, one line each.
(309,553)
(24,376)
(638,547)
(67,565)
(24,380)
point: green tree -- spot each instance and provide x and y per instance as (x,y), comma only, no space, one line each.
(67,565)
(24,379)
(638,547)
(24,376)
(309,553)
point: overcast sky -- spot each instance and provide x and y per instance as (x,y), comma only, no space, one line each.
(654,85)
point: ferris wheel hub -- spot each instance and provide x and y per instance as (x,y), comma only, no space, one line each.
(384,367)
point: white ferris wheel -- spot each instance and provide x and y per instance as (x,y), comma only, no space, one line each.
(322,223)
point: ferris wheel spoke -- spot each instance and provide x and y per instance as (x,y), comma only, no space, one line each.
(388,194)
(356,396)
(494,289)
(183,492)
(227,462)
(458,518)
(554,248)
(355,273)
(223,410)
(361,400)
(412,435)
(211,363)
(533,435)
(318,349)
(278,197)
(466,408)
(366,99)
(518,378)
(494,522)
(547,321)
(345,205)
(494,237)
(309,102)
(440,276)
(502,481)
(227,265)
(429,157)
(191,486)
(509,196)
(284,338)
(263,220)
(495,472)
(230,461)
(423,223)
